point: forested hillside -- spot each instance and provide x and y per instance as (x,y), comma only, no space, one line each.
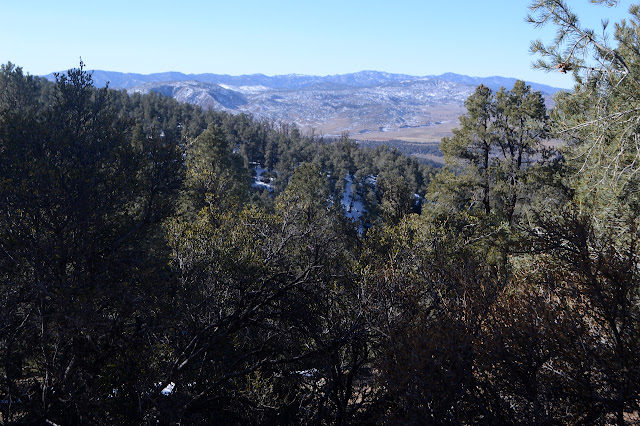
(162,264)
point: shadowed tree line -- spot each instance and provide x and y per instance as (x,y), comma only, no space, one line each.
(144,280)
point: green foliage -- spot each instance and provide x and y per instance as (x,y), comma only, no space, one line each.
(143,279)
(397,197)
(491,154)
(599,117)
(263,298)
(79,205)
(215,175)
(473,142)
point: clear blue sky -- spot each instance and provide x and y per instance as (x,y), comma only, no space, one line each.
(417,37)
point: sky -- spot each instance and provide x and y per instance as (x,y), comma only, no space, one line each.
(272,37)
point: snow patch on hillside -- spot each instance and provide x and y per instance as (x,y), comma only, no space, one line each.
(351,202)
(245,89)
(258,180)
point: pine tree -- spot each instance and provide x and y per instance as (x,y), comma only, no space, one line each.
(472,143)
(498,140)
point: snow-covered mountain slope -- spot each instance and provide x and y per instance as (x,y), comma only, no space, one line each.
(365,104)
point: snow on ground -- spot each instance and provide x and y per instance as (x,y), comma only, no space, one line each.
(257,181)
(353,206)
(245,89)
(351,202)
(168,389)
(308,373)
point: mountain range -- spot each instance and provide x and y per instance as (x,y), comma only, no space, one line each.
(369,105)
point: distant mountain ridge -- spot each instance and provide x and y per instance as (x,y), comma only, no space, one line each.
(367,104)
(119,80)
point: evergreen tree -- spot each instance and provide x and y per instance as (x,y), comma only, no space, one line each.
(499,139)
(79,204)
(473,141)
